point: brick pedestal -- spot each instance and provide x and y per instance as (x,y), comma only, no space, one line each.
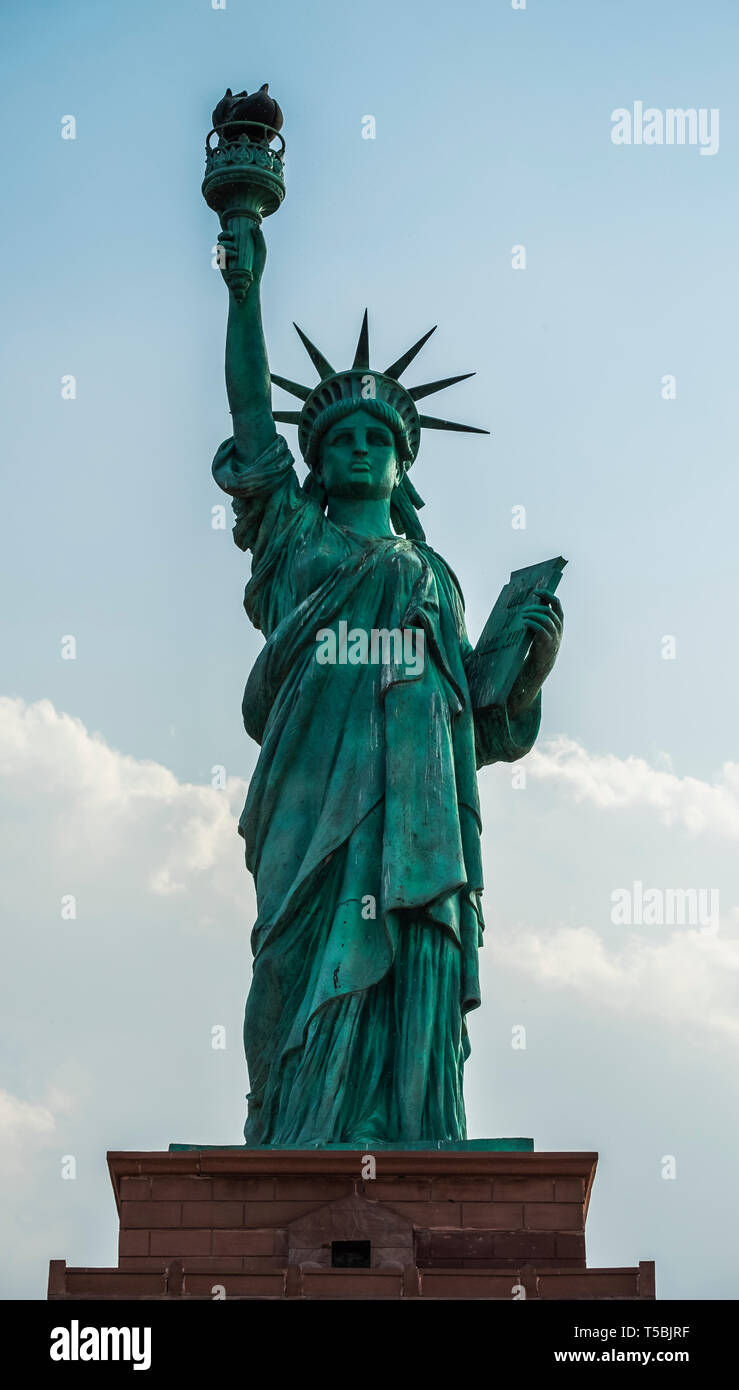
(286,1224)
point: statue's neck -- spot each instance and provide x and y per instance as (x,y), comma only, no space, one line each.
(364,515)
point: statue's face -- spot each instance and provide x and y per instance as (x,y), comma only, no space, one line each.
(358,458)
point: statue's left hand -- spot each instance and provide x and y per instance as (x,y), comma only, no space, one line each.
(544,621)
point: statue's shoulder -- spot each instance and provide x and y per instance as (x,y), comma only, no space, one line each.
(442,569)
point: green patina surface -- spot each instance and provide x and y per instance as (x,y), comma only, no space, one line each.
(445,1145)
(362,823)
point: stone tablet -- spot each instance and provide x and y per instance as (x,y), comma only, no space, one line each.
(501,651)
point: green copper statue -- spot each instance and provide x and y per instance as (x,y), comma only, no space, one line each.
(362,824)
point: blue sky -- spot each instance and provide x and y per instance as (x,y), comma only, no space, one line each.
(492,130)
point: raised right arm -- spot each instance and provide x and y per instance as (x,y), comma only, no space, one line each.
(247,370)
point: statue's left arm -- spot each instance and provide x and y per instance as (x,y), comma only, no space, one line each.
(506,734)
(544,621)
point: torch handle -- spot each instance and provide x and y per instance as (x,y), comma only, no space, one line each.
(238,272)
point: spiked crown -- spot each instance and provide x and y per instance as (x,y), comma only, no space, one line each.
(359,384)
(338,393)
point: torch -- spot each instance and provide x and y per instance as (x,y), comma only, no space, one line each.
(244,174)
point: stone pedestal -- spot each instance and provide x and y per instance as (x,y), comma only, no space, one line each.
(254,1224)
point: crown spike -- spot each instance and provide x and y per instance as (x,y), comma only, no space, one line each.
(397,369)
(416,393)
(293,387)
(321,363)
(287,417)
(361,356)
(429,422)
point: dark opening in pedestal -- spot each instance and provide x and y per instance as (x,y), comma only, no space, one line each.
(350,1254)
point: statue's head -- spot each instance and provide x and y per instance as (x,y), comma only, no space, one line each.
(360,430)
(359,450)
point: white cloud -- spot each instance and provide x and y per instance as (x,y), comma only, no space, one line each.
(609,783)
(684,979)
(74,797)
(24,1128)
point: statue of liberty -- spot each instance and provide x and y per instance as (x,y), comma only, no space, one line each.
(362,823)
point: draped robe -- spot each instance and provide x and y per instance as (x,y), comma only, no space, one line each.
(361,826)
